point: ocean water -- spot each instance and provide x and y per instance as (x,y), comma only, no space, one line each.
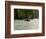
(26,25)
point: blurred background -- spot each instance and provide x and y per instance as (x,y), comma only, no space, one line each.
(26,13)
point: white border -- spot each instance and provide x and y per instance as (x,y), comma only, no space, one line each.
(26,31)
